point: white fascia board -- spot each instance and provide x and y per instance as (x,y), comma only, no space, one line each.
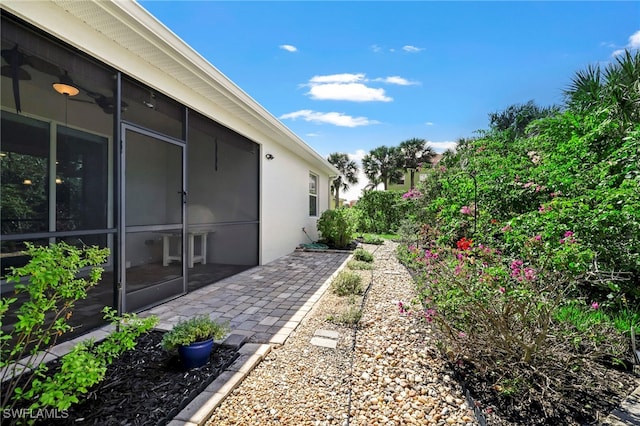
(78,24)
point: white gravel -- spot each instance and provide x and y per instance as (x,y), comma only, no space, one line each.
(393,376)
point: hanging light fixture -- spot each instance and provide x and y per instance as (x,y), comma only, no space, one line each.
(65,85)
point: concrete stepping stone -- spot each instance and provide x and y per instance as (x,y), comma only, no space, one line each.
(325,338)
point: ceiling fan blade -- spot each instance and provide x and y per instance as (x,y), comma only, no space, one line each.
(15,59)
(43,65)
(86,101)
(13,56)
(7,71)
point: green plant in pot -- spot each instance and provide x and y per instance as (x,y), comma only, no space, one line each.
(194,339)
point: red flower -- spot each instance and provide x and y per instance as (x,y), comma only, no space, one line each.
(464,244)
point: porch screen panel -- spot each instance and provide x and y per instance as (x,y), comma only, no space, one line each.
(223,188)
(24,169)
(81,180)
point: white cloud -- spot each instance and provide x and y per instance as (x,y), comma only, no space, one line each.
(337,78)
(412,49)
(352,87)
(442,146)
(288,48)
(634,40)
(634,43)
(312,135)
(335,118)
(429,123)
(400,81)
(376,48)
(356,92)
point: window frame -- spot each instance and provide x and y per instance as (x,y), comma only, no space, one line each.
(314,181)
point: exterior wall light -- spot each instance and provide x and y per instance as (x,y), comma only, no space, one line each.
(269,157)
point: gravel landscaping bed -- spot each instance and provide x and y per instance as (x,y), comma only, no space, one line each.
(393,376)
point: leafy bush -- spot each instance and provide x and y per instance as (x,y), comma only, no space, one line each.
(196,329)
(363,255)
(81,368)
(360,265)
(350,316)
(337,226)
(381,211)
(347,283)
(54,286)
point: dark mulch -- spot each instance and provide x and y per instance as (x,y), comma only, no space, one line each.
(600,391)
(145,386)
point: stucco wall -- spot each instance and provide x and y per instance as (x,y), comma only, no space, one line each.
(284,200)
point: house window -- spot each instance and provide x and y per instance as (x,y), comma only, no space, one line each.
(313,195)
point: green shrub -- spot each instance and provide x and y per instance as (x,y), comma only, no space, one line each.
(196,329)
(585,316)
(372,239)
(363,255)
(337,227)
(350,316)
(83,367)
(346,283)
(360,265)
(54,286)
(381,211)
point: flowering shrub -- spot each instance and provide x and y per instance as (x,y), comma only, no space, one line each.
(412,194)
(491,309)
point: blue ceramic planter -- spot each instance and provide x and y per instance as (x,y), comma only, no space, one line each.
(196,354)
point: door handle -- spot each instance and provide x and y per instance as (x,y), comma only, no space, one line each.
(184,196)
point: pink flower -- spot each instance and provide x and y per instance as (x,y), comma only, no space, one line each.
(529,274)
(462,334)
(502,290)
(429,314)
(506,228)
(465,210)
(516,264)
(595,305)
(537,237)
(568,234)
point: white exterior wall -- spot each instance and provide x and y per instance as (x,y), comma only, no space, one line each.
(285,202)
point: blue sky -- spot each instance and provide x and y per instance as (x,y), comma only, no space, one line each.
(351,76)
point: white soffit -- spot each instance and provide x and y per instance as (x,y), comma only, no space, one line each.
(130,39)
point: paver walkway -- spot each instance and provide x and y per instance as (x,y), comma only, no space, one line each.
(265,303)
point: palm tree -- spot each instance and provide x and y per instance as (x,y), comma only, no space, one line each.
(348,169)
(515,118)
(382,165)
(616,90)
(414,154)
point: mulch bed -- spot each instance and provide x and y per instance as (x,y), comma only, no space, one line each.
(145,386)
(586,399)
